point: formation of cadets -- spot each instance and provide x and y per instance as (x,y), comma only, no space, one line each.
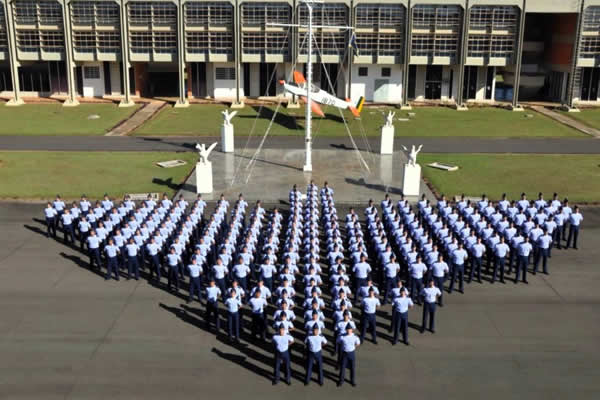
(274,267)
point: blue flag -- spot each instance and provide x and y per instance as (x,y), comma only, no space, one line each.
(352,44)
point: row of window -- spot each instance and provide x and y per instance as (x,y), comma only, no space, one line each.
(388,16)
(383,44)
(155,13)
(435,45)
(90,41)
(45,12)
(152,41)
(386,72)
(208,13)
(34,40)
(494,18)
(500,46)
(437,17)
(265,43)
(205,42)
(3,36)
(100,13)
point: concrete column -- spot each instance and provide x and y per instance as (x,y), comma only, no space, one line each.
(519,56)
(237,55)
(126,101)
(182,101)
(407,46)
(70,63)
(460,101)
(16,99)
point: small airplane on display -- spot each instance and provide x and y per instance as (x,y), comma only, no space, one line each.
(319,96)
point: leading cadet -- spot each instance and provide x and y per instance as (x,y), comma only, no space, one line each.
(430,295)
(348,344)
(282,342)
(314,343)
(400,316)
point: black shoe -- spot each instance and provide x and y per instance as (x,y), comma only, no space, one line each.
(353,384)
(407,343)
(275,383)
(422,330)
(503,281)
(288,382)
(432,331)
(393,343)
(320,383)
(375,341)
(305,383)
(526,282)
(462,291)
(339,384)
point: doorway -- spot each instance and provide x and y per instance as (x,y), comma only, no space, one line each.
(433,82)
(199,80)
(267,80)
(589,84)
(5,79)
(470,83)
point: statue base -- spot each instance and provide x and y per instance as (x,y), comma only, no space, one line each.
(411,184)
(387,140)
(227,145)
(204,177)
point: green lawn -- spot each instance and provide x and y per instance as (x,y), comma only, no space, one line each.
(574,176)
(54,119)
(427,121)
(590,117)
(41,175)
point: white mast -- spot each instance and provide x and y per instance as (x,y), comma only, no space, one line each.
(308,127)
(308,134)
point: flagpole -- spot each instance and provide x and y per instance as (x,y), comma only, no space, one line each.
(308,133)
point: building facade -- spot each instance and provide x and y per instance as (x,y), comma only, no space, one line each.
(453,51)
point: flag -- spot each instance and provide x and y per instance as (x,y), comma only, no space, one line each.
(352,45)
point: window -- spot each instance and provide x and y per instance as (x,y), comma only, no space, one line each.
(91,72)
(141,42)
(218,13)
(225,73)
(363,71)
(261,14)
(165,42)
(82,12)
(109,42)
(3,38)
(84,42)
(493,31)
(28,40)
(52,40)
(386,72)
(389,16)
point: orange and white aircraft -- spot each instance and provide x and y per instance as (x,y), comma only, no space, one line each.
(319,96)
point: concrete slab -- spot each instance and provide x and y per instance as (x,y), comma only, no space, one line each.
(270,174)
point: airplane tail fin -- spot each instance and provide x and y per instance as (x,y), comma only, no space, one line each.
(299,78)
(359,106)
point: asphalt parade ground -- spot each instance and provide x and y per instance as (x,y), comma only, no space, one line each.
(65,333)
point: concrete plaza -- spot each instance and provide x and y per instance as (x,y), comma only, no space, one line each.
(65,333)
(269,174)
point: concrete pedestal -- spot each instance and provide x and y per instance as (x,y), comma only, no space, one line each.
(227,139)
(204,178)
(412,180)
(387,140)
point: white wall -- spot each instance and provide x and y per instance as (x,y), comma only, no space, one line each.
(93,87)
(365,85)
(420,84)
(224,89)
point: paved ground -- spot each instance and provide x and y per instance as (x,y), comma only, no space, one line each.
(269,175)
(65,333)
(431,145)
(138,118)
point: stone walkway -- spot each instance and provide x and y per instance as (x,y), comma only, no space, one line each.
(136,119)
(565,120)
